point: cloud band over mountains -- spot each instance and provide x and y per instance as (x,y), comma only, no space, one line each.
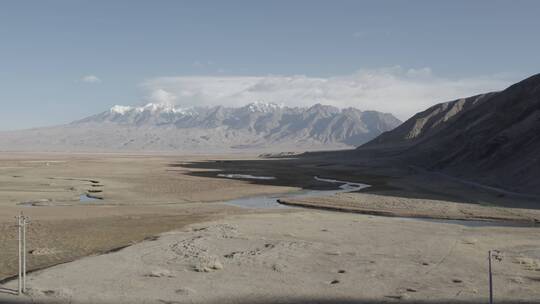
(396,90)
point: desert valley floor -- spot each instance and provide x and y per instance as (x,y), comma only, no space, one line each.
(110,228)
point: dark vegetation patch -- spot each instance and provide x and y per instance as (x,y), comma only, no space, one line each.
(287,172)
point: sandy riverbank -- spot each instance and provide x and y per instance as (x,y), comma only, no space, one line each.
(374,204)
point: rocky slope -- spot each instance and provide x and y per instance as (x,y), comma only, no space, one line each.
(158,127)
(493,138)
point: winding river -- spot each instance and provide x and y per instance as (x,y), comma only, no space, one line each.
(267,201)
(270,200)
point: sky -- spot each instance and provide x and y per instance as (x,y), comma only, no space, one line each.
(65,60)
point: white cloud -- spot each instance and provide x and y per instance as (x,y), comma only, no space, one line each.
(90,79)
(161,96)
(400,91)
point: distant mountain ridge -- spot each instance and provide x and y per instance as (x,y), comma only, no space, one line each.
(164,127)
(493,137)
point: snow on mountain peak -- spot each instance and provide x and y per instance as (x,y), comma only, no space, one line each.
(260,106)
(121,109)
(151,107)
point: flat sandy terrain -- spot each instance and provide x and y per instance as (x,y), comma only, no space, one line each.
(142,196)
(304,257)
(213,252)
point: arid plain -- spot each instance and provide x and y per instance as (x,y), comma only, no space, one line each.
(142,196)
(189,246)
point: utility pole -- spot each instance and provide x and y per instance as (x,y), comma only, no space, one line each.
(490,279)
(25,221)
(497,255)
(21,225)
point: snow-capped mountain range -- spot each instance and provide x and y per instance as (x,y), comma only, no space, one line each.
(170,108)
(165,127)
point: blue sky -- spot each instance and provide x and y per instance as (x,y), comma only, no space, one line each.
(63,60)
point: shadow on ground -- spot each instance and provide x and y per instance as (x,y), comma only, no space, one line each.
(386,177)
(7,291)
